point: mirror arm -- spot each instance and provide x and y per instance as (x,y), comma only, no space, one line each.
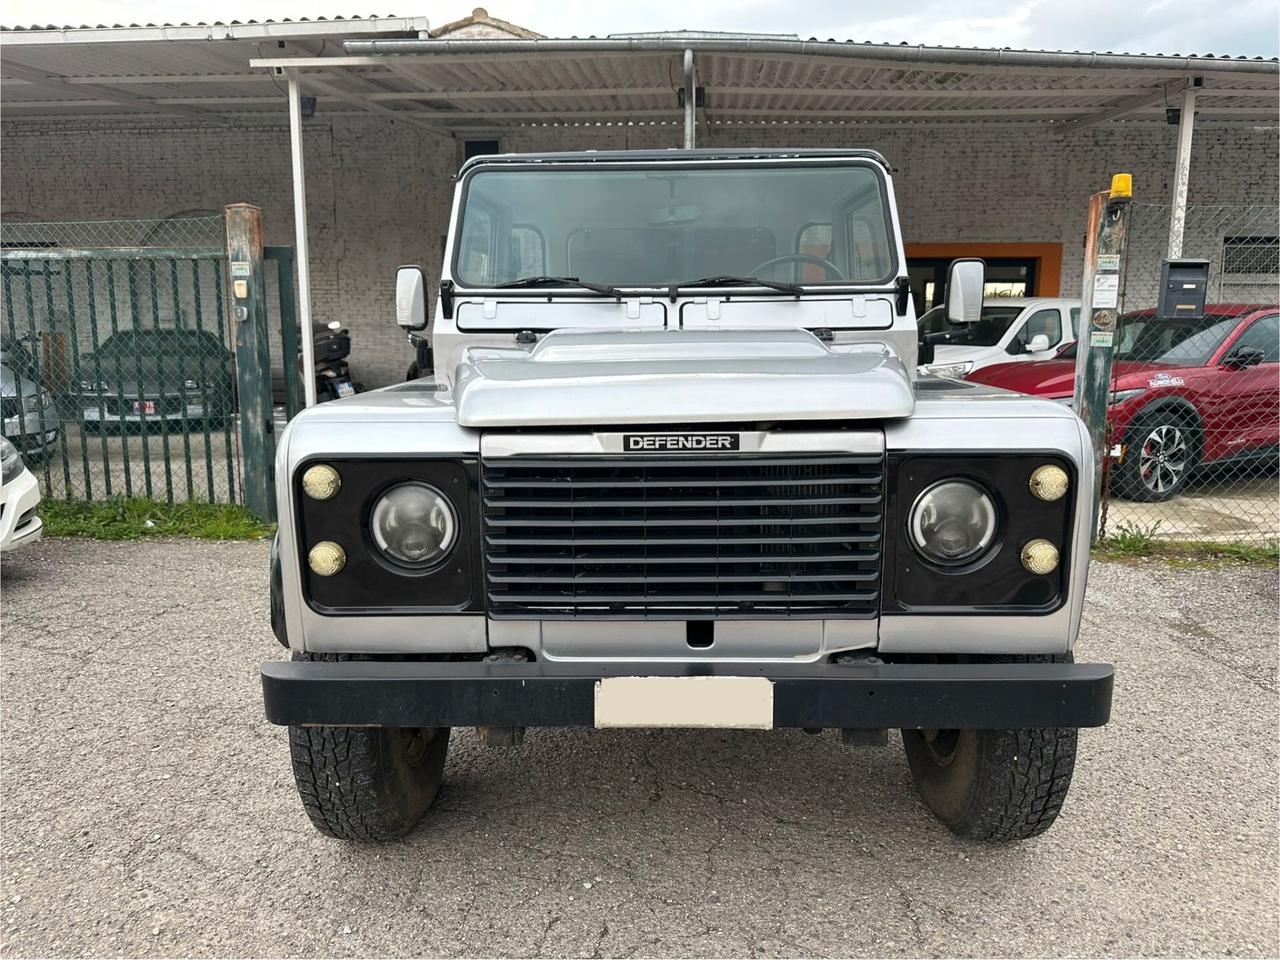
(904,295)
(446,298)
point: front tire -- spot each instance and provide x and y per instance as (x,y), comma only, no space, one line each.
(366,783)
(993,785)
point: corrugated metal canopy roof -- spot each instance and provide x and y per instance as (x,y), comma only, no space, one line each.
(494,84)
(199,69)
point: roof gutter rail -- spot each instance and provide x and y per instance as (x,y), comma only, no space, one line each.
(894,53)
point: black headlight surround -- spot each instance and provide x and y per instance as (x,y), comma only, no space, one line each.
(371,583)
(994,582)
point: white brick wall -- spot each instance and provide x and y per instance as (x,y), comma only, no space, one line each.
(378,193)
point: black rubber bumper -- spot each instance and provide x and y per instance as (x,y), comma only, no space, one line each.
(470,694)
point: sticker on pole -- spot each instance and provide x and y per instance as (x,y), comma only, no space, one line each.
(240,268)
(1106,290)
(1101,338)
(1108,263)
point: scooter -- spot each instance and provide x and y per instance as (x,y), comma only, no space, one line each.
(333,376)
(423,364)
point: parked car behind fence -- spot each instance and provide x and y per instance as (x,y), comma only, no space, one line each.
(1194,421)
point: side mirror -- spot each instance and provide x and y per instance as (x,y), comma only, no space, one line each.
(1242,357)
(411,297)
(1039,343)
(964,290)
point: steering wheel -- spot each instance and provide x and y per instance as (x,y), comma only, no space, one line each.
(833,272)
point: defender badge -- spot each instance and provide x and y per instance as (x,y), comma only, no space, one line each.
(666,442)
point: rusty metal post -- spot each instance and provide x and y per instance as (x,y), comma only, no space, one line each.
(253,357)
(1099,309)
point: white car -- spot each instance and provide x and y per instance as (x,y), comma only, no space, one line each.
(19,497)
(1011,328)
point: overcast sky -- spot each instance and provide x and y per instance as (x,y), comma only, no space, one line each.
(1236,27)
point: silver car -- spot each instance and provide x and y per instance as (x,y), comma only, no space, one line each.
(30,417)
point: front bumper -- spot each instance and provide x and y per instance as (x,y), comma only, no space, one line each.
(30,434)
(167,410)
(812,695)
(19,524)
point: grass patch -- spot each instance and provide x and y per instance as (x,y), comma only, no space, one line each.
(1128,545)
(121,518)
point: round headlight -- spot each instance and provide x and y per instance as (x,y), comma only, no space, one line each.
(413,524)
(953,521)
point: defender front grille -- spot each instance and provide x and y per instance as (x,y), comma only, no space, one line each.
(683,537)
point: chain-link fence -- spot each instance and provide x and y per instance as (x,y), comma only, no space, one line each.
(117,371)
(1194,420)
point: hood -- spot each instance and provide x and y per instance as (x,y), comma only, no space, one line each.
(1056,378)
(959,352)
(678,376)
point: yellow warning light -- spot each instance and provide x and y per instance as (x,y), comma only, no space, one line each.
(1040,557)
(321,482)
(1049,482)
(326,558)
(1121,186)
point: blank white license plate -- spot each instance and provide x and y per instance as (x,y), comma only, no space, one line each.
(741,702)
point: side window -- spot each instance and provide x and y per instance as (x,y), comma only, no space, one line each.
(1046,323)
(1262,335)
(1075,321)
(475,256)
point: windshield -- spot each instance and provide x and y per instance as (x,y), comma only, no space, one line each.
(662,226)
(987,332)
(1179,343)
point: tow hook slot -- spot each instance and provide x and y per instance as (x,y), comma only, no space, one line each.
(700,634)
(860,736)
(503,736)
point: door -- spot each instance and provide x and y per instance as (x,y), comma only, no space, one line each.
(1046,323)
(1245,407)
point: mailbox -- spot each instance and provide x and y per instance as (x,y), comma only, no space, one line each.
(1183,287)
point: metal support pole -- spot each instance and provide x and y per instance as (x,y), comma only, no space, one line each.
(1182,171)
(253,356)
(300,233)
(1100,296)
(690,104)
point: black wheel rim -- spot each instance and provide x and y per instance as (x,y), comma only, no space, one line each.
(414,744)
(941,745)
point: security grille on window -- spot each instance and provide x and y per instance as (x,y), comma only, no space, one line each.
(1254,256)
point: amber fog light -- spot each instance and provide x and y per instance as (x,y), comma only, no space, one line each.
(1049,482)
(321,482)
(326,558)
(1040,557)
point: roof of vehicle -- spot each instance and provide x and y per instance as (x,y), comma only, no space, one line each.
(1026,301)
(673,154)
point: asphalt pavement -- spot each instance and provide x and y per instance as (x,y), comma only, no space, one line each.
(149,810)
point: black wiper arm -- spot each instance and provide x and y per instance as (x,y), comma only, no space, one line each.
(601,288)
(792,288)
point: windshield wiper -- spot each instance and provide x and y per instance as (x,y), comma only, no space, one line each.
(792,288)
(601,288)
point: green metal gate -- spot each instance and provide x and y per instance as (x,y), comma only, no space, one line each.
(117,357)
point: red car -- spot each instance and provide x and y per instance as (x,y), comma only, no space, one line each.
(1185,393)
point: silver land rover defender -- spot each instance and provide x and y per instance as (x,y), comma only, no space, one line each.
(675,469)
